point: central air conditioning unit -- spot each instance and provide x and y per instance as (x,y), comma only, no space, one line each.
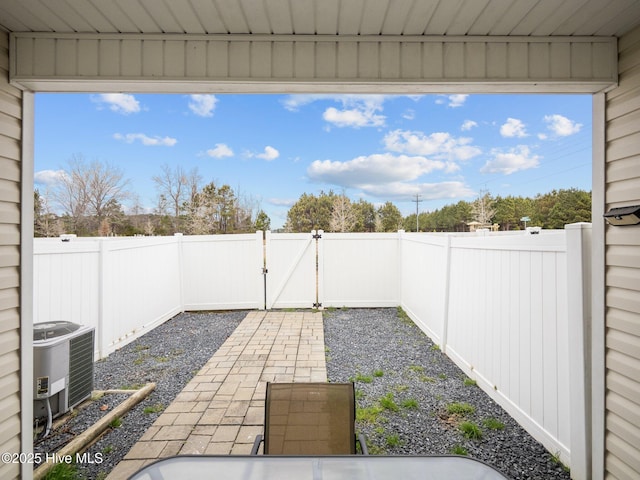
(62,367)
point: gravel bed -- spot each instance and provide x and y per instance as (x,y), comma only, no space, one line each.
(395,364)
(382,351)
(169,355)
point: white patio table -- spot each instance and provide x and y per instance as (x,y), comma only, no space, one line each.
(346,467)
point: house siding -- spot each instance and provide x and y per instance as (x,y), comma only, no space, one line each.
(10,171)
(622,264)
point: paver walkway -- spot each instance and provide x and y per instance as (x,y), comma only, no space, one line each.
(221,410)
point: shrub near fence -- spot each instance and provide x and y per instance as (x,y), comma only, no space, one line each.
(501,305)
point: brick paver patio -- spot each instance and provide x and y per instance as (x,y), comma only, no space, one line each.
(221,410)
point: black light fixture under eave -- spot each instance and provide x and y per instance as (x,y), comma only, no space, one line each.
(623,216)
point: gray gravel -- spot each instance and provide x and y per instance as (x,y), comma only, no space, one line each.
(169,355)
(377,343)
(389,356)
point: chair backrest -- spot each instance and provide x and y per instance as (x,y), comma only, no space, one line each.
(310,419)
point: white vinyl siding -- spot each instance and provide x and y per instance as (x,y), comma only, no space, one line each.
(622,173)
(10,153)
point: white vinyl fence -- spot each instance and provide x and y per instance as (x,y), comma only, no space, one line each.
(126,287)
(498,306)
(510,309)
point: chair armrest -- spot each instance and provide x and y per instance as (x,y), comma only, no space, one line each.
(256,445)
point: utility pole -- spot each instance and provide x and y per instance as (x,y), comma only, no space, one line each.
(417,200)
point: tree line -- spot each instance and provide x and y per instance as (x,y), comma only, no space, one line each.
(336,213)
(88,200)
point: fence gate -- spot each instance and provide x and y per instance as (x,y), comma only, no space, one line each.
(291,270)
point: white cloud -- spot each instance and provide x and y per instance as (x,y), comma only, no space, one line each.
(409,114)
(356,117)
(356,110)
(513,128)
(468,125)
(452,101)
(440,145)
(48,177)
(388,176)
(562,126)
(118,102)
(282,202)
(372,169)
(294,102)
(220,151)
(203,105)
(428,191)
(146,140)
(457,100)
(269,154)
(516,159)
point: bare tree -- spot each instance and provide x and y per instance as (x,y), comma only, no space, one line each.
(87,189)
(70,194)
(106,186)
(173,185)
(193,183)
(343,217)
(483,208)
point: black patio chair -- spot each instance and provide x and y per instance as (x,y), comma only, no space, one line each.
(310,419)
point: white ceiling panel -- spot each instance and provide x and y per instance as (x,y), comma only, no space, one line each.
(572,25)
(186,18)
(125,11)
(395,19)
(324,17)
(256,16)
(349,18)
(161,16)
(93,16)
(619,12)
(464,21)
(488,19)
(280,13)
(232,14)
(512,16)
(373,18)
(209,16)
(420,17)
(539,13)
(444,16)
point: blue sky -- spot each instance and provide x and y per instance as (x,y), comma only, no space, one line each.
(381,148)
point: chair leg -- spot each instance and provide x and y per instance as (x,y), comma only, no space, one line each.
(363,444)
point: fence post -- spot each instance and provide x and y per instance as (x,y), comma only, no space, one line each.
(181,273)
(447,284)
(102,298)
(318,235)
(268,292)
(261,293)
(579,318)
(399,293)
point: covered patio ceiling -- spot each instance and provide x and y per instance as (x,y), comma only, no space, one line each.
(316,46)
(325,17)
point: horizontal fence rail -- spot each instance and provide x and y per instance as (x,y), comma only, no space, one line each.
(508,308)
